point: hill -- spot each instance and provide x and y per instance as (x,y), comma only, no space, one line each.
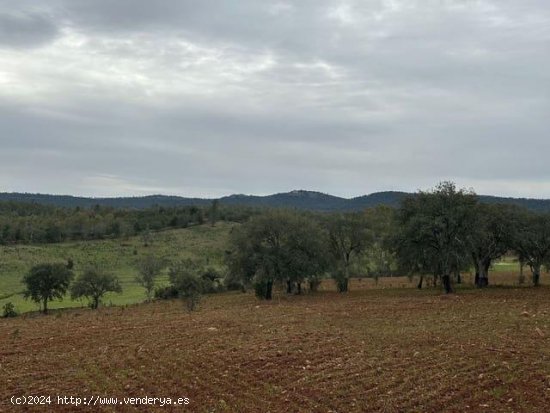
(300,199)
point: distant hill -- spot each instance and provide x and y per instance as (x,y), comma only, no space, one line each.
(307,200)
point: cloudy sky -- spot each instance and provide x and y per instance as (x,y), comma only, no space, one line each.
(213,97)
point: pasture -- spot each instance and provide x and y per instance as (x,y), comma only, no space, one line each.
(379,350)
(205,244)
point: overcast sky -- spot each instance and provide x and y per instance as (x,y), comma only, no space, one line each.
(213,97)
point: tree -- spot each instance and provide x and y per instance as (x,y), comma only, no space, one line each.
(434,231)
(93,284)
(149,268)
(379,256)
(185,279)
(532,241)
(213,213)
(492,236)
(348,237)
(46,282)
(276,246)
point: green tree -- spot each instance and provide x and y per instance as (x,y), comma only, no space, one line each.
(93,284)
(184,277)
(492,236)
(149,268)
(348,236)
(434,231)
(276,246)
(380,258)
(46,282)
(214,211)
(532,241)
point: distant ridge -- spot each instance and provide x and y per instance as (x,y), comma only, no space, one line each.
(299,199)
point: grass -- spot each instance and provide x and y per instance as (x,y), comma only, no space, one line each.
(371,350)
(204,243)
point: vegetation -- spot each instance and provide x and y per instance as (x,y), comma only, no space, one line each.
(277,246)
(47,282)
(8,310)
(532,242)
(93,284)
(35,224)
(348,236)
(186,281)
(149,268)
(202,244)
(440,234)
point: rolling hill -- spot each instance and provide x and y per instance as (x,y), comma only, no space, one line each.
(300,199)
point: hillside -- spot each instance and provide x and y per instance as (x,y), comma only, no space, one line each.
(300,199)
(204,244)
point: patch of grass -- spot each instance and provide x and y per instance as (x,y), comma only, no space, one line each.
(205,243)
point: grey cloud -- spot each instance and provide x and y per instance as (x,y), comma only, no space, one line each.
(209,98)
(25,30)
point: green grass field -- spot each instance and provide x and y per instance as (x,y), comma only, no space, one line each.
(204,243)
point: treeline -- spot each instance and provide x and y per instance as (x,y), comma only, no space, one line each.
(438,233)
(27,223)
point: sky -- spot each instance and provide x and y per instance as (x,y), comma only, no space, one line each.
(214,97)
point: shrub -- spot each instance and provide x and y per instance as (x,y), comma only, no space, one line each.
(189,288)
(185,281)
(232,282)
(166,293)
(9,310)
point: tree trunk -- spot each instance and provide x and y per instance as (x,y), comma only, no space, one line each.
(45,306)
(95,304)
(481,275)
(289,287)
(343,284)
(536,275)
(487,267)
(269,290)
(419,286)
(446,281)
(299,288)
(458,277)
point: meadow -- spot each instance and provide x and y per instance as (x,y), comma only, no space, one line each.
(370,350)
(204,244)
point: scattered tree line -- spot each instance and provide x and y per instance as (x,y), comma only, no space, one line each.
(47,282)
(438,233)
(26,223)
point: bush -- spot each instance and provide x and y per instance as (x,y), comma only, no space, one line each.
(166,293)
(9,310)
(211,281)
(188,285)
(189,288)
(232,282)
